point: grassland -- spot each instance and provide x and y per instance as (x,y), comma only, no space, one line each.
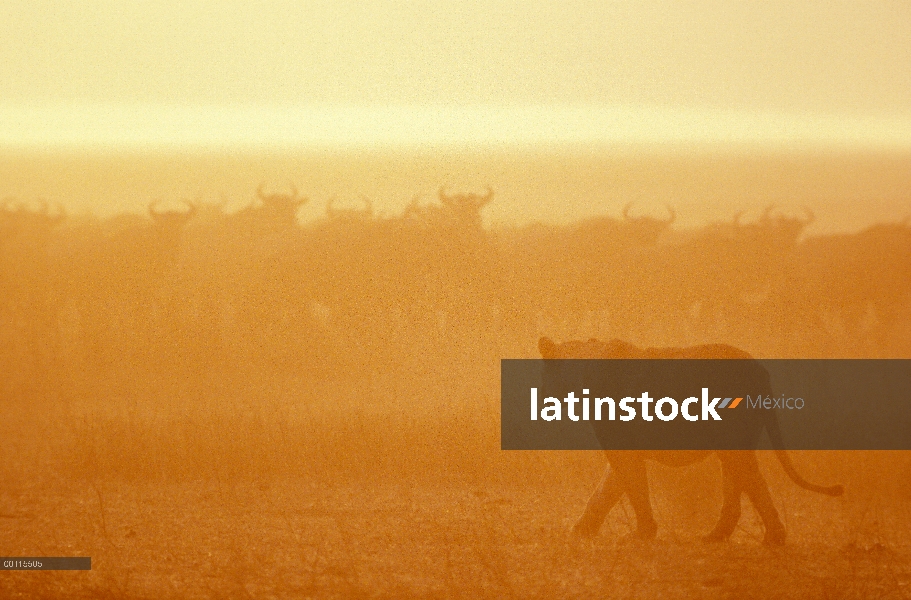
(273,495)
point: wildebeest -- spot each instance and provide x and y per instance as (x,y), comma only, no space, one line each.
(626,472)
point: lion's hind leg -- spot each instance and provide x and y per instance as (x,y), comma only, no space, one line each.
(754,484)
(741,473)
(730,509)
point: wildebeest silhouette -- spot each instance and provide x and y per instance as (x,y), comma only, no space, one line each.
(626,471)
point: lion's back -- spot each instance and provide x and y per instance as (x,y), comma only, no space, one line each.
(705,351)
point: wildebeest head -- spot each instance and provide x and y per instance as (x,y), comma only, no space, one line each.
(171,219)
(466,207)
(40,216)
(787,228)
(281,206)
(646,230)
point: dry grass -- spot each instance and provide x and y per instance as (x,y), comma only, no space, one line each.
(270,495)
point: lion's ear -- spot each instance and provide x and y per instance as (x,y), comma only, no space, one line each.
(547,348)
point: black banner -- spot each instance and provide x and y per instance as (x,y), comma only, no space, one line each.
(46,563)
(702,404)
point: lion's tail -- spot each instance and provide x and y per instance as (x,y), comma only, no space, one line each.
(788,466)
(785,459)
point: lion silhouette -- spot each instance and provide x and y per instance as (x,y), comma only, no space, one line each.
(626,471)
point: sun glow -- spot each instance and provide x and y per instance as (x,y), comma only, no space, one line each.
(158,126)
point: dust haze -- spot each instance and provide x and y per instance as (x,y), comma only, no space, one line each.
(278,376)
(847,189)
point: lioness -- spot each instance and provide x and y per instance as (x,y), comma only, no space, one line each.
(626,471)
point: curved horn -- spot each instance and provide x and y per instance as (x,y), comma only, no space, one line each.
(59,216)
(295,199)
(413,208)
(626,211)
(810,216)
(191,209)
(672,213)
(171,216)
(488,197)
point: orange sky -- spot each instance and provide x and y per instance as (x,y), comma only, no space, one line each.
(292,73)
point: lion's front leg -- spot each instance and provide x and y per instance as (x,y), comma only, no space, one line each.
(606,495)
(633,477)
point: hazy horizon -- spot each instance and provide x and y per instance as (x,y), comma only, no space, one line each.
(564,110)
(131,127)
(847,190)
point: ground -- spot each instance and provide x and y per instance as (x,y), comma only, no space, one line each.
(258,500)
(269,539)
